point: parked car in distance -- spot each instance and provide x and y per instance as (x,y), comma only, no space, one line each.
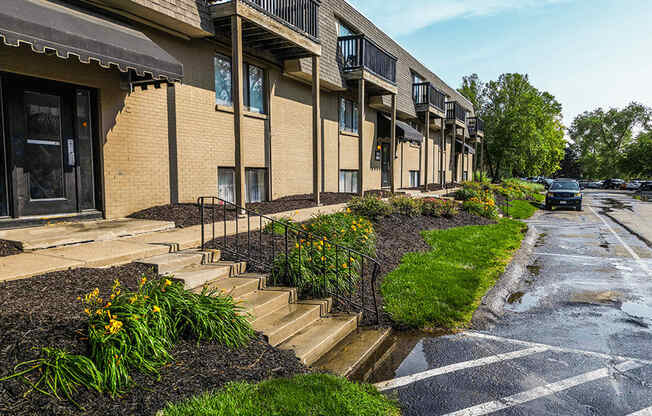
(564,192)
(584,184)
(633,185)
(613,184)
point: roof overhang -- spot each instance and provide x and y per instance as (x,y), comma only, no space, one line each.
(405,132)
(51,27)
(469,149)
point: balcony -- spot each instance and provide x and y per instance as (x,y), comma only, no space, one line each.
(455,113)
(361,58)
(476,127)
(288,29)
(427,97)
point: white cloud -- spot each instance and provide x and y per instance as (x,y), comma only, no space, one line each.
(406,16)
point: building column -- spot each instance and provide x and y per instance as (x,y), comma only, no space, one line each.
(475,158)
(392,157)
(316,130)
(442,151)
(482,150)
(361,118)
(464,159)
(427,139)
(238,107)
(453,154)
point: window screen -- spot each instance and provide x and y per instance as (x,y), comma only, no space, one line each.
(256,185)
(226,184)
(349,181)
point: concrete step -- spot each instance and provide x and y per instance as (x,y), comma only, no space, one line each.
(261,303)
(172,262)
(312,342)
(287,321)
(354,351)
(195,276)
(237,267)
(235,287)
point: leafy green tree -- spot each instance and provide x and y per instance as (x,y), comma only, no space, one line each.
(637,157)
(472,88)
(602,137)
(570,165)
(524,134)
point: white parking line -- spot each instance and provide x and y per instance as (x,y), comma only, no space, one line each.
(579,256)
(542,391)
(644,412)
(629,250)
(554,348)
(404,381)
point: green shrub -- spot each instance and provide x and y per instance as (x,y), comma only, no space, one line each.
(406,205)
(465,194)
(436,207)
(371,207)
(318,268)
(483,208)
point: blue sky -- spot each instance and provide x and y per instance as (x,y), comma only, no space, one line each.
(588,53)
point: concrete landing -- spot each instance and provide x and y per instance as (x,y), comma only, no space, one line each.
(26,265)
(62,234)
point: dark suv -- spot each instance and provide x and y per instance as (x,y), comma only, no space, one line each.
(613,184)
(564,193)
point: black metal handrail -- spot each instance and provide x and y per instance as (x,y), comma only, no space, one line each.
(476,125)
(358,52)
(359,270)
(455,111)
(425,93)
(301,15)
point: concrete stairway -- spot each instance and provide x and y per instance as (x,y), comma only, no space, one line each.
(308,328)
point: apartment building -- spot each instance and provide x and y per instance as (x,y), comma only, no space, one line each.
(112,106)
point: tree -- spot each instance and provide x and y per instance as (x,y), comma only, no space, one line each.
(524,134)
(472,88)
(602,137)
(570,164)
(637,157)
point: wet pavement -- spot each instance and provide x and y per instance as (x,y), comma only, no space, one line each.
(576,338)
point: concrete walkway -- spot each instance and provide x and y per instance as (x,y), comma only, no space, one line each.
(114,242)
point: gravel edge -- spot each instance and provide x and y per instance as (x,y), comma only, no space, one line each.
(492,305)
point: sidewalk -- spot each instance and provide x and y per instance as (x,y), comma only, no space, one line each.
(114,242)
(638,220)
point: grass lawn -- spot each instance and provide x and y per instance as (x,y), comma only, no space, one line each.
(443,287)
(521,210)
(311,394)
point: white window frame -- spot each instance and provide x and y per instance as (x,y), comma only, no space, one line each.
(415,178)
(347,106)
(348,181)
(263,195)
(221,193)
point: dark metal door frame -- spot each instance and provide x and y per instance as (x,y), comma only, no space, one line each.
(385,164)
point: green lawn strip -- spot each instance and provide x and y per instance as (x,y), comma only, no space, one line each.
(521,210)
(443,287)
(311,394)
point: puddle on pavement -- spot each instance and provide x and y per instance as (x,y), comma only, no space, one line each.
(515,297)
(613,204)
(608,297)
(406,357)
(637,311)
(541,240)
(522,301)
(534,269)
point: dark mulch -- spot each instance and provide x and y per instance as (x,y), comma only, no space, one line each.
(186,215)
(9,248)
(42,311)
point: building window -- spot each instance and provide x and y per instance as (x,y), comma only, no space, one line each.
(254,94)
(348,116)
(223,91)
(414,178)
(226,184)
(417,79)
(254,85)
(256,185)
(344,30)
(349,181)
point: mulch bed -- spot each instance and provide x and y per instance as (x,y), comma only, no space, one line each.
(186,215)
(42,311)
(8,248)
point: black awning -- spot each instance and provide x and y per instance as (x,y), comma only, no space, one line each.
(469,149)
(66,30)
(405,132)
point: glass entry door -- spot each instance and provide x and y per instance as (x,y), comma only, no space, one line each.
(41,118)
(385,174)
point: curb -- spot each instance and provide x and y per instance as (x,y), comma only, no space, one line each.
(628,228)
(492,305)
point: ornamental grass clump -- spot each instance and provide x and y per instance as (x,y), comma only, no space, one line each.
(318,265)
(437,207)
(135,331)
(406,206)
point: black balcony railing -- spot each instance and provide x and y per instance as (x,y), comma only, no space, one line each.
(476,125)
(425,93)
(454,111)
(300,15)
(328,270)
(359,52)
